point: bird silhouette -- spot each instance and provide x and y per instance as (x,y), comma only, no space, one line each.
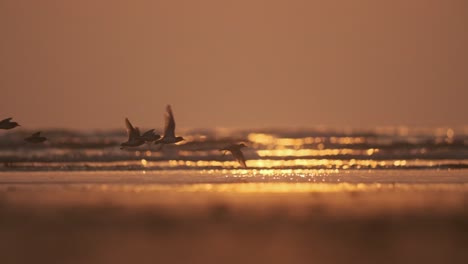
(169,129)
(134,138)
(7,124)
(35,138)
(150,136)
(236,152)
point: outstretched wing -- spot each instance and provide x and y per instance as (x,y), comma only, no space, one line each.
(136,132)
(149,133)
(6,120)
(130,129)
(237,153)
(169,126)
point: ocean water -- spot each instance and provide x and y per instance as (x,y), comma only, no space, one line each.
(391,195)
(297,155)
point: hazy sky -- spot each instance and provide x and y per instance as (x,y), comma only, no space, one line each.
(241,63)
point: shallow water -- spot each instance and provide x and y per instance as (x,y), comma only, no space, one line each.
(328,149)
(393,195)
(402,216)
(151,177)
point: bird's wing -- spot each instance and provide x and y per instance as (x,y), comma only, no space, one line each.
(130,129)
(37,134)
(169,126)
(6,120)
(137,132)
(228,148)
(237,153)
(148,133)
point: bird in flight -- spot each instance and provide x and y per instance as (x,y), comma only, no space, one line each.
(35,138)
(7,124)
(149,136)
(236,152)
(169,129)
(134,138)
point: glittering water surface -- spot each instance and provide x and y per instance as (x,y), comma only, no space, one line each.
(278,151)
(332,196)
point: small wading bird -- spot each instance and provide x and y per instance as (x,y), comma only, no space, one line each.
(236,152)
(35,138)
(7,124)
(169,129)
(134,138)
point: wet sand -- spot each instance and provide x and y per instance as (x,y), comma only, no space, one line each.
(83,222)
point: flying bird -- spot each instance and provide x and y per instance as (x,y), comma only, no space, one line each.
(7,124)
(236,152)
(35,138)
(134,138)
(169,129)
(150,136)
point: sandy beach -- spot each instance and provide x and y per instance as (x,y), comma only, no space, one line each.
(68,219)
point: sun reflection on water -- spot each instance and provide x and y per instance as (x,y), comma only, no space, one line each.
(269,139)
(280,187)
(308,152)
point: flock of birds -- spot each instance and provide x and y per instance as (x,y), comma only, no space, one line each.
(135,139)
(34,138)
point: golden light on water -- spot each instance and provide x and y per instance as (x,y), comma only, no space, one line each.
(254,164)
(347,140)
(260,138)
(307,152)
(294,147)
(270,163)
(279,187)
(398,163)
(276,187)
(204,153)
(269,139)
(242,187)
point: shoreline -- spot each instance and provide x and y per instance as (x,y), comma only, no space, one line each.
(128,219)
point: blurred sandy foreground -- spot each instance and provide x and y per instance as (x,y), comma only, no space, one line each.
(57,222)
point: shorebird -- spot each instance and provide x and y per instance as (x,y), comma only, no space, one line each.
(7,124)
(35,138)
(169,129)
(134,138)
(236,152)
(149,136)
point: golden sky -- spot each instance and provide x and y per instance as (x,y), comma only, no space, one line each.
(241,63)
